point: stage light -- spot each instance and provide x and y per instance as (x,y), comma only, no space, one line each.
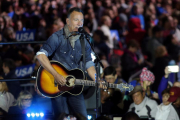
(37,114)
(32,114)
(41,114)
(28,114)
(89,117)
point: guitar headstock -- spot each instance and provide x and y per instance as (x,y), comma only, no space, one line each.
(125,87)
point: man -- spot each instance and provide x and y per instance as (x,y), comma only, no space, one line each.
(129,60)
(154,42)
(175,99)
(143,106)
(112,99)
(66,49)
(9,72)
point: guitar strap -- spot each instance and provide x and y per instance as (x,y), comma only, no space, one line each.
(83,52)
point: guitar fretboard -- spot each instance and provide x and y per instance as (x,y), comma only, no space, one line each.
(93,83)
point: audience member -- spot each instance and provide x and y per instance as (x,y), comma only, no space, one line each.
(162,60)
(23,104)
(129,61)
(154,42)
(9,72)
(175,99)
(105,27)
(111,99)
(165,111)
(6,98)
(142,106)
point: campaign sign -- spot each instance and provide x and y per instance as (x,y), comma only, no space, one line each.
(24,71)
(115,34)
(28,35)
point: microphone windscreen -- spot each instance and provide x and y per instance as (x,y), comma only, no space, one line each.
(80,29)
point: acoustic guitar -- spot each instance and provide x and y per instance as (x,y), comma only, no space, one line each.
(74,82)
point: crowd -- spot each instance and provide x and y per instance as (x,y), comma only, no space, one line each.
(135,39)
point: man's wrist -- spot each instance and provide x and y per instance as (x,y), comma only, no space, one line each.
(166,76)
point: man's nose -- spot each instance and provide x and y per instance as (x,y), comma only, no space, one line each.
(80,24)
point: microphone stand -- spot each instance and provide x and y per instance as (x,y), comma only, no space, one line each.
(98,63)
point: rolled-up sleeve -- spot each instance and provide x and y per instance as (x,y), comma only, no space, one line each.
(50,45)
(89,64)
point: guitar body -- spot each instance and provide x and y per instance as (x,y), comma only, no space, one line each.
(47,86)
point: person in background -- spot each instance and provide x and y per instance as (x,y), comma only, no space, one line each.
(9,72)
(129,60)
(23,104)
(6,99)
(165,83)
(105,27)
(175,99)
(112,99)
(142,105)
(145,79)
(165,110)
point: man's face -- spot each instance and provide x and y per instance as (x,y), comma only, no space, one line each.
(75,21)
(110,78)
(165,98)
(138,97)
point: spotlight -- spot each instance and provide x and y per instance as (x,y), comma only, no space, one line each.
(32,114)
(41,114)
(37,114)
(89,117)
(28,114)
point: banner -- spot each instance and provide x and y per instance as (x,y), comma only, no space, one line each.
(28,35)
(24,71)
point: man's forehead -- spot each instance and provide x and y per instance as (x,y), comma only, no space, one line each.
(107,76)
(137,93)
(76,14)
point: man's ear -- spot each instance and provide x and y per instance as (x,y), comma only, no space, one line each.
(143,93)
(115,76)
(67,21)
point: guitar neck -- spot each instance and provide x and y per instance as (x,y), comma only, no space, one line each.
(92,83)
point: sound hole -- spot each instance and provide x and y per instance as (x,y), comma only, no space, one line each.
(70,81)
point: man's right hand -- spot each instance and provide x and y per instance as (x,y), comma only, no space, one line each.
(59,79)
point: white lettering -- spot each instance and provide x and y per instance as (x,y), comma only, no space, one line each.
(31,36)
(25,37)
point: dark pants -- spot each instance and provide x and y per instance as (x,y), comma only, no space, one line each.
(70,105)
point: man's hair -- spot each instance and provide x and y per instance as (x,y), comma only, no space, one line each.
(110,70)
(74,9)
(9,63)
(133,43)
(166,91)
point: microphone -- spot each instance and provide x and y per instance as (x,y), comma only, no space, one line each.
(82,31)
